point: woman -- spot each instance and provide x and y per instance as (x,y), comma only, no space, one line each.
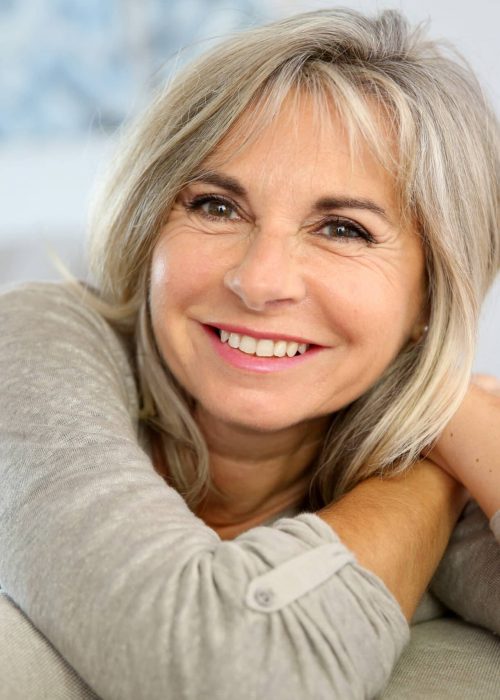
(290,259)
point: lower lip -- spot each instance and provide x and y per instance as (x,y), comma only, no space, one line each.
(252,363)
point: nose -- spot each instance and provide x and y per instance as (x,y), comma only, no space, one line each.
(267,272)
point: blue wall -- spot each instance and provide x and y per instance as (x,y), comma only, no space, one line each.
(76,66)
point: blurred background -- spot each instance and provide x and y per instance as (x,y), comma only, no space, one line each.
(71,71)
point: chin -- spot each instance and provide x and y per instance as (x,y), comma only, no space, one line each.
(253,419)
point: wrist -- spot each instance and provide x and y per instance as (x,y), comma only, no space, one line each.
(468,448)
(444,450)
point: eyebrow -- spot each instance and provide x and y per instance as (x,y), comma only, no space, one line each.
(327,203)
(226,182)
(323,204)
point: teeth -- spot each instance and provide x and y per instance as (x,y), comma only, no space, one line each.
(263,347)
(280,348)
(246,344)
(234,340)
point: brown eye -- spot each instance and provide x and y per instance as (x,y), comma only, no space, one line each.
(218,209)
(343,230)
(340,231)
(214,208)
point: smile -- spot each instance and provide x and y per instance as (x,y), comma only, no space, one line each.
(258,355)
(262,347)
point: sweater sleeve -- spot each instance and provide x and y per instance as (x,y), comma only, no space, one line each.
(138,595)
(467,579)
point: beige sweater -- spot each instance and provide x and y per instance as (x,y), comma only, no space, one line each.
(136,594)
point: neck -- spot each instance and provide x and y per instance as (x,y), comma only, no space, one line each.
(257,474)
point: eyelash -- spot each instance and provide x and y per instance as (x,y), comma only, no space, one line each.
(196,203)
(348,224)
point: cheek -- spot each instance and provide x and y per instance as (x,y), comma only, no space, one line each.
(178,272)
(373,306)
(161,280)
(160,270)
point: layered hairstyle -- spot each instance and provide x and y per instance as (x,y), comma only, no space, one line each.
(445,164)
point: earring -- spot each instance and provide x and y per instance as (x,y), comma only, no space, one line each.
(419,333)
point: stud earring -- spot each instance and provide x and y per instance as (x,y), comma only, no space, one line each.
(419,333)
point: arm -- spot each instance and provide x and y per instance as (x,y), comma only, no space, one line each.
(399,527)
(135,592)
(468,577)
(469,448)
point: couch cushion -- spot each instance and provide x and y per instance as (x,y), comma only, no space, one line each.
(30,668)
(447,659)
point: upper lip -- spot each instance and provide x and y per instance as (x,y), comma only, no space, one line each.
(241,330)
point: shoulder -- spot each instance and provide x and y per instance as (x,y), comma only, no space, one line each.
(43,298)
(50,301)
(50,324)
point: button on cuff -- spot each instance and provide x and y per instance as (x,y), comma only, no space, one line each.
(297,576)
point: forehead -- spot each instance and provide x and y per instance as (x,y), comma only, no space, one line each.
(306,143)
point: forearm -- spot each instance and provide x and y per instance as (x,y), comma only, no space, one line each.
(469,448)
(399,527)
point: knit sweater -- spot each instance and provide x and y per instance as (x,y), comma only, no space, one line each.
(138,595)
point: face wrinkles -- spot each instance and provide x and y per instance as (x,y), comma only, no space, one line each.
(273,193)
(278,208)
(272,269)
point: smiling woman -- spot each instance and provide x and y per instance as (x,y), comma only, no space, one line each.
(289,261)
(317,255)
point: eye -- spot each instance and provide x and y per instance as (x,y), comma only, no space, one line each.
(213,207)
(344,230)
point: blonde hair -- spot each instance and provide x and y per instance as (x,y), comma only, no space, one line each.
(446,170)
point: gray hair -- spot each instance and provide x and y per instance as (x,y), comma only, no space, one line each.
(446,171)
